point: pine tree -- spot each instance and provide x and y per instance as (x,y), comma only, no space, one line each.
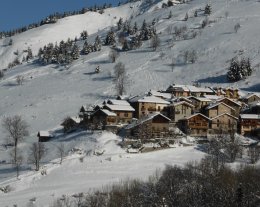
(75,52)
(234,71)
(135,28)
(97,44)
(84,35)
(87,48)
(125,45)
(110,38)
(120,24)
(207,9)
(170,15)
(29,54)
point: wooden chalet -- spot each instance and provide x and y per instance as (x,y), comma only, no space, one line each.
(218,108)
(199,103)
(44,136)
(196,125)
(188,90)
(147,104)
(250,98)
(248,123)
(223,124)
(234,104)
(71,123)
(179,110)
(153,125)
(102,118)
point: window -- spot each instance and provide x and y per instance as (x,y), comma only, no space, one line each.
(126,114)
(159,108)
(217,123)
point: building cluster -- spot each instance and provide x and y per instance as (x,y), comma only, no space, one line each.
(196,111)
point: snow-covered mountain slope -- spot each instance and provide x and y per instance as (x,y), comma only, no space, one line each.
(94,172)
(50,93)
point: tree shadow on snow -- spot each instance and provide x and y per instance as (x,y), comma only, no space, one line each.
(255,88)
(98,62)
(89,73)
(102,78)
(214,79)
(10,84)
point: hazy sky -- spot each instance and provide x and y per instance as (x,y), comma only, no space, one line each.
(17,13)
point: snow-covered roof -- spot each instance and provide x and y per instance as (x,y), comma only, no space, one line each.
(182,102)
(144,119)
(107,112)
(160,94)
(223,115)
(190,88)
(119,107)
(249,95)
(45,134)
(197,114)
(76,119)
(218,103)
(250,116)
(235,102)
(212,97)
(117,102)
(149,99)
(202,99)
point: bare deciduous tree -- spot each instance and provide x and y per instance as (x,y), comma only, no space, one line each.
(37,152)
(172,64)
(121,79)
(254,154)
(16,129)
(237,27)
(61,151)
(19,79)
(113,55)
(155,42)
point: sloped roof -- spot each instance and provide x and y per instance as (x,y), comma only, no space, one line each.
(119,107)
(182,102)
(117,102)
(250,116)
(106,112)
(212,97)
(45,134)
(216,104)
(148,99)
(235,102)
(224,114)
(197,114)
(201,99)
(144,119)
(249,95)
(160,94)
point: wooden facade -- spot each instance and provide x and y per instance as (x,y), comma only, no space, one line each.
(217,109)
(196,125)
(223,124)
(248,123)
(179,110)
(102,117)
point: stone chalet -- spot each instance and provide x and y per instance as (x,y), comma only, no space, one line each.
(179,110)
(248,123)
(216,109)
(250,98)
(152,125)
(145,105)
(188,90)
(196,125)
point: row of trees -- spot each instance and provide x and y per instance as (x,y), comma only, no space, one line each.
(196,184)
(239,69)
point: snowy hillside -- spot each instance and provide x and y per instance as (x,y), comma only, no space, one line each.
(50,93)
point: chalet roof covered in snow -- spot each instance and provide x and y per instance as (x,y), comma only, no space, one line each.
(212,97)
(197,114)
(76,119)
(149,99)
(249,95)
(250,116)
(223,115)
(160,94)
(119,107)
(44,134)
(235,102)
(146,118)
(105,111)
(181,103)
(189,88)
(201,99)
(216,104)
(117,102)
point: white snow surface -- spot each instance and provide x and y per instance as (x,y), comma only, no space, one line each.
(51,93)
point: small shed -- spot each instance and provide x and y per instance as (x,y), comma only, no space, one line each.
(44,136)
